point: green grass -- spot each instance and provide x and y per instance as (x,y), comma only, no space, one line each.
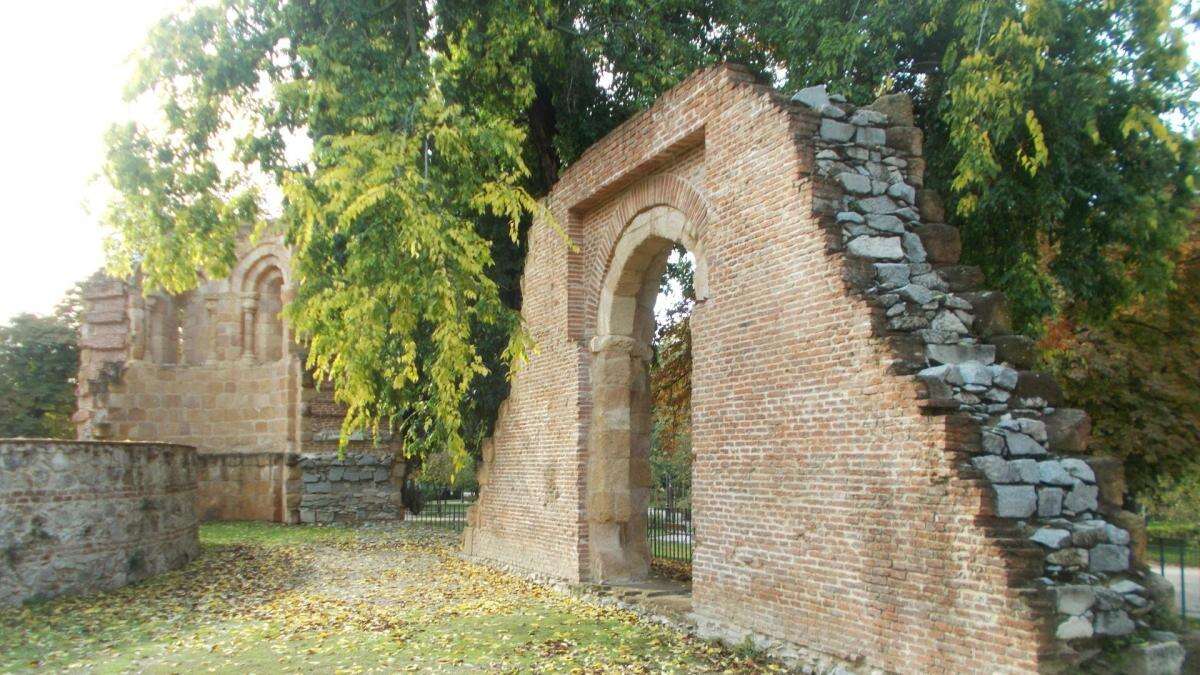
(272,598)
(275,534)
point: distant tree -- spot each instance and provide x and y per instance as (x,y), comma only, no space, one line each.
(39,359)
(671,376)
(1139,378)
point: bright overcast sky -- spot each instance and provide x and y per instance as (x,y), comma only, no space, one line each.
(62,70)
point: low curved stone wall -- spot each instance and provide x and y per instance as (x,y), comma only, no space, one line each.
(82,516)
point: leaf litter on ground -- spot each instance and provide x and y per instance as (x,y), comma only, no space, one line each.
(270,598)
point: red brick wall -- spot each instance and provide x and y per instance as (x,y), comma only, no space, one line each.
(830,511)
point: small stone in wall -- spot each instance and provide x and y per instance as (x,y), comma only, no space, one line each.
(1021,445)
(1051,537)
(1082,498)
(1075,628)
(1109,558)
(1079,469)
(1050,502)
(833,130)
(1114,622)
(1075,600)
(1015,501)
(878,248)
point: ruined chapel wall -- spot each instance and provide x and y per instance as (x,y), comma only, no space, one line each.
(831,512)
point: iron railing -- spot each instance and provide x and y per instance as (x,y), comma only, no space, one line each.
(669,525)
(1176,561)
(437,505)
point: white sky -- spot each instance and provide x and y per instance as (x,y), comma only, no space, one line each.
(62,70)
(63,66)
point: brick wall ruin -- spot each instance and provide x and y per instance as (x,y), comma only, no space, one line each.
(78,517)
(215,368)
(879,477)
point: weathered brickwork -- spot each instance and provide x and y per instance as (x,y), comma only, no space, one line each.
(215,368)
(76,517)
(859,489)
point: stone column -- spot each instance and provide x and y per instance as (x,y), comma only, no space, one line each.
(618,474)
(249,308)
(210,327)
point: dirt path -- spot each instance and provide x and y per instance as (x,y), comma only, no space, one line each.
(268,598)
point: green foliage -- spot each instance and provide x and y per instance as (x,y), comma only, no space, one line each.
(1138,378)
(439,470)
(671,378)
(1046,129)
(434,125)
(39,358)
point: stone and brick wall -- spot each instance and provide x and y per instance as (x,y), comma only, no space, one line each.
(356,487)
(214,368)
(871,449)
(77,516)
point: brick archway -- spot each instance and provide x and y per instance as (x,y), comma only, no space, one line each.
(618,469)
(875,476)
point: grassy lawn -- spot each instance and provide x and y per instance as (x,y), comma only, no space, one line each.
(268,598)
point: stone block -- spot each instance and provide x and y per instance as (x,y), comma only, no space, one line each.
(1109,558)
(1022,445)
(1163,657)
(1032,384)
(992,316)
(1075,628)
(897,107)
(1081,498)
(905,139)
(1114,622)
(1015,501)
(1050,502)
(1016,350)
(960,353)
(838,132)
(1051,537)
(961,278)
(876,248)
(942,243)
(1074,600)
(1070,430)
(1078,469)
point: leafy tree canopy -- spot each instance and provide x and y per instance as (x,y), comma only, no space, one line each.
(434,125)
(1139,377)
(39,358)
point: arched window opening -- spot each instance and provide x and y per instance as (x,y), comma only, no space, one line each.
(167,317)
(268,322)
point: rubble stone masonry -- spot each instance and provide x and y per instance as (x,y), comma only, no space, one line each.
(879,476)
(77,517)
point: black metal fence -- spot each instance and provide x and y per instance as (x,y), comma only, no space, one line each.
(669,525)
(1176,559)
(437,505)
